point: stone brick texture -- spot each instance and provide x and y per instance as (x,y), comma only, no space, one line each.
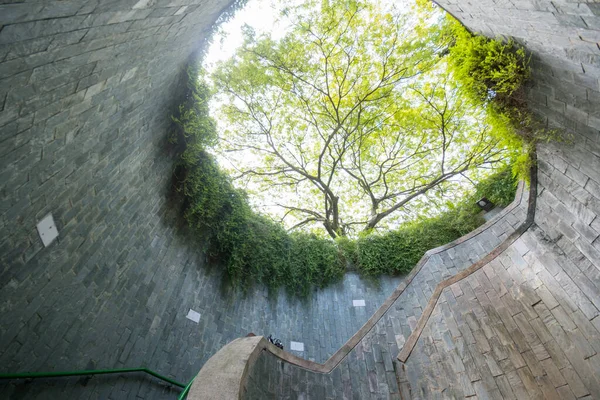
(522,327)
(368,371)
(563,37)
(86,93)
(86,90)
(526,325)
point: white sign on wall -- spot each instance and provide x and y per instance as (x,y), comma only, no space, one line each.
(47,230)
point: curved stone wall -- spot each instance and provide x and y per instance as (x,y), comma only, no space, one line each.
(86,91)
(563,37)
(525,325)
(364,366)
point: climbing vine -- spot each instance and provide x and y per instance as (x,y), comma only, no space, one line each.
(255,249)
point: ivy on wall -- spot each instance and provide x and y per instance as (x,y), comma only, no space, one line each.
(254,249)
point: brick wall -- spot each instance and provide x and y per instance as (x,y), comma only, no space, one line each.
(563,37)
(86,91)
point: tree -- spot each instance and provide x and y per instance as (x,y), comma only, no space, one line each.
(350,118)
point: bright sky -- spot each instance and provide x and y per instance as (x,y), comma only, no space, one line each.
(264,17)
(261,15)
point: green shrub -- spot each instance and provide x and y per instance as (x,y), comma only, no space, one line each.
(487,68)
(494,72)
(194,126)
(499,188)
(253,249)
(347,251)
(312,261)
(213,204)
(398,251)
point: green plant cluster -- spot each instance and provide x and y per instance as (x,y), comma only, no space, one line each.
(194,128)
(495,72)
(398,251)
(487,68)
(254,249)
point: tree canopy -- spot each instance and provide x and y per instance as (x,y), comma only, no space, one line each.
(351,118)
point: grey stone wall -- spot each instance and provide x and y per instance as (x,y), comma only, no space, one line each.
(86,91)
(368,371)
(564,39)
(272,378)
(522,327)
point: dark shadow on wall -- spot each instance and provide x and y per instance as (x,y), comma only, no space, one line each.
(176,203)
(52,388)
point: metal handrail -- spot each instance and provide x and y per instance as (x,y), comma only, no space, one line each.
(57,374)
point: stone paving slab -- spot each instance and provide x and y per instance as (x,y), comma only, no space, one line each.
(85,94)
(368,369)
(519,338)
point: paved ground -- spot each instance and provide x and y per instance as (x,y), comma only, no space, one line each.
(519,328)
(368,370)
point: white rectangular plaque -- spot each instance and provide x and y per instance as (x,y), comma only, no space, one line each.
(297,346)
(193,315)
(47,230)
